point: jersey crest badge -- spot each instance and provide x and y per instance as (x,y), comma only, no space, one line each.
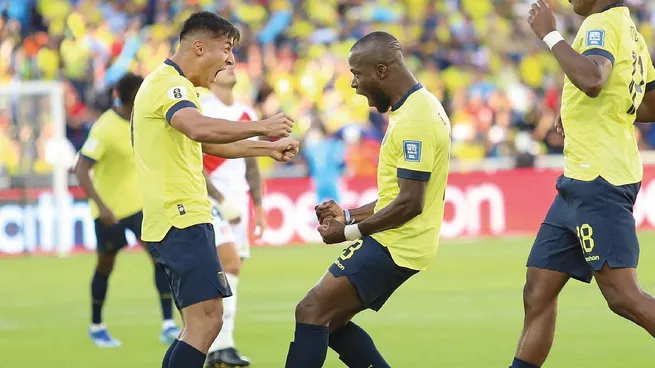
(595,37)
(412,151)
(177,93)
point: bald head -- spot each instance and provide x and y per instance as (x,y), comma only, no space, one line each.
(377,48)
(377,64)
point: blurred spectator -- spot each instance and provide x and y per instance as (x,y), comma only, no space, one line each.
(496,80)
(325,159)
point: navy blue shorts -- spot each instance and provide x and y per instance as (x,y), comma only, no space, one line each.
(369,267)
(111,239)
(588,225)
(191,263)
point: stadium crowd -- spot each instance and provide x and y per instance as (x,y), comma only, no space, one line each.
(499,85)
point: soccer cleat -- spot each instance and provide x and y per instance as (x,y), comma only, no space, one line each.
(103,339)
(169,334)
(226,358)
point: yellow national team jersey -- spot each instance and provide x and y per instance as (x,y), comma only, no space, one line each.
(168,163)
(114,173)
(600,138)
(416,146)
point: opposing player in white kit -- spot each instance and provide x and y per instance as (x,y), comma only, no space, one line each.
(230,184)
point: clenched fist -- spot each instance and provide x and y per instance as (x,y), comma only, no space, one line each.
(284,149)
(277,126)
(329,209)
(332,231)
(542,19)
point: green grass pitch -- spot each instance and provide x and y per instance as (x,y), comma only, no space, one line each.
(465,311)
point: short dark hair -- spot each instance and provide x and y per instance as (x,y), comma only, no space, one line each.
(378,39)
(127,87)
(213,24)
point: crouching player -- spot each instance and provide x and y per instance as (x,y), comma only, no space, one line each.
(394,237)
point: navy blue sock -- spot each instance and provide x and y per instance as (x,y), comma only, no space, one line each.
(186,356)
(309,347)
(98,293)
(518,363)
(356,348)
(164,288)
(169,352)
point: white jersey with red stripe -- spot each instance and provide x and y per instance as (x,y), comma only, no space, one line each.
(227,175)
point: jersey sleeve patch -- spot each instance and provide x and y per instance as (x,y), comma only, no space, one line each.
(595,38)
(412,151)
(178,92)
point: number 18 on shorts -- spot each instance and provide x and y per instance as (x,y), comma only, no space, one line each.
(589,224)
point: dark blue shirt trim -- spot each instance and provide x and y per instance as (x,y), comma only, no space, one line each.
(400,102)
(650,86)
(412,174)
(88,158)
(174,65)
(600,52)
(177,107)
(617,4)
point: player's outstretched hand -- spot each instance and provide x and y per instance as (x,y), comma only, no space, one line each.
(285,149)
(331,231)
(542,19)
(329,209)
(558,125)
(278,126)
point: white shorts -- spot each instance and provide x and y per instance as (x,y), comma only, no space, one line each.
(229,233)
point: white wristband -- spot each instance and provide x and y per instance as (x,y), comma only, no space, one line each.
(552,39)
(351,232)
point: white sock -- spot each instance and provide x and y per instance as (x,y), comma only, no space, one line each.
(95,327)
(168,323)
(225,339)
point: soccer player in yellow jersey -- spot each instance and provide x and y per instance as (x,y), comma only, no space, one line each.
(589,230)
(169,135)
(115,203)
(395,236)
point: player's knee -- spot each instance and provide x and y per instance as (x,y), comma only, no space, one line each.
(105,264)
(308,311)
(621,302)
(206,320)
(536,301)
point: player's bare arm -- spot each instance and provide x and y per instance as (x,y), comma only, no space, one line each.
(255,182)
(283,150)
(82,171)
(351,216)
(588,73)
(406,206)
(254,179)
(204,129)
(646,111)
(212,191)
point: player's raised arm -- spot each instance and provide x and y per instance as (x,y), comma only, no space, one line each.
(588,69)
(188,120)
(283,150)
